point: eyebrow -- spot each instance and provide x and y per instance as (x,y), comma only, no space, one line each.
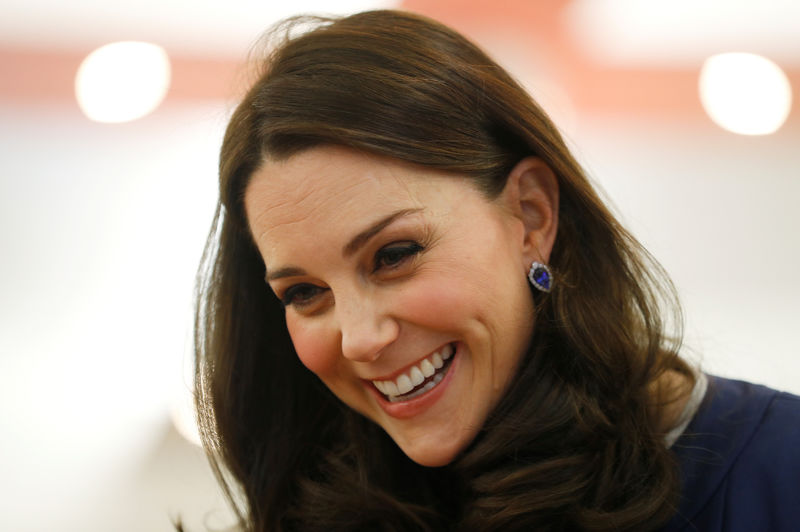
(350,248)
(289,271)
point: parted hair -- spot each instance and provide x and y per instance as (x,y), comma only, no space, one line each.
(577,440)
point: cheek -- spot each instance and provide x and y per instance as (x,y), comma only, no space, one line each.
(489,306)
(316,348)
(446,302)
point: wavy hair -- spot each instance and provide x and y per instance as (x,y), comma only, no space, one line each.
(576,442)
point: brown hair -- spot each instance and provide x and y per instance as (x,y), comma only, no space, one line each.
(576,442)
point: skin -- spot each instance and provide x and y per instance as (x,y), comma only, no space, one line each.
(448,269)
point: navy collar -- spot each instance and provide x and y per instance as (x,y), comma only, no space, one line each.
(727,418)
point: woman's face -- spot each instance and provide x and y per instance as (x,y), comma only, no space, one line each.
(405,290)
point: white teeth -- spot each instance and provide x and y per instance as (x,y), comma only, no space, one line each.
(417,377)
(391,388)
(427,368)
(404,384)
(429,386)
(447,352)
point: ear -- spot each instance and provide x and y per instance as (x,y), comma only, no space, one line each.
(531,194)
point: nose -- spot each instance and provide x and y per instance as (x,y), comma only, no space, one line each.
(366,328)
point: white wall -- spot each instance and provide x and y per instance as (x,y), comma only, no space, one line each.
(720,212)
(101,228)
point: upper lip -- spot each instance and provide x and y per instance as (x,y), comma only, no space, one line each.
(393,375)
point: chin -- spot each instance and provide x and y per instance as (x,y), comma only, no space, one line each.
(434,453)
(434,459)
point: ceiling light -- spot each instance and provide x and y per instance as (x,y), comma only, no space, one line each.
(745,93)
(122,81)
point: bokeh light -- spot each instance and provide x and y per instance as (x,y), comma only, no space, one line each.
(122,81)
(745,93)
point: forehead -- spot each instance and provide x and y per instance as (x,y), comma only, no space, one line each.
(328,190)
(319,176)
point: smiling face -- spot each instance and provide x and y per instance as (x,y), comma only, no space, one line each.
(405,289)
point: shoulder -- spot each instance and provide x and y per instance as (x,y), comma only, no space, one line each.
(770,446)
(740,460)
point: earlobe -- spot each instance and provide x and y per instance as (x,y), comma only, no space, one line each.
(532,194)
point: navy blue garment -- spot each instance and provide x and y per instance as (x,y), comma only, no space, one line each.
(740,461)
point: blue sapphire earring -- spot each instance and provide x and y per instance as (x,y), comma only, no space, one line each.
(540,276)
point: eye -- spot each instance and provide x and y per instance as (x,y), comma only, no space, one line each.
(394,255)
(300,295)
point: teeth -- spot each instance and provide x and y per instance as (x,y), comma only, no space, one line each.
(429,386)
(427,368)
(416,376)
(391,388)
(406,382)
(447,352)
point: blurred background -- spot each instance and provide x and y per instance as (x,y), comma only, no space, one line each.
(108,185)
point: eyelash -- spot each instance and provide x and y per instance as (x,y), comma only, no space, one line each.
(294,295)
(389,257)
(399,252)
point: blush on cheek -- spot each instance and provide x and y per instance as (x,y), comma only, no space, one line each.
(437,304)
(317,350)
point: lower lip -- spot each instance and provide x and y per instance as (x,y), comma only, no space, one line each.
(417,405)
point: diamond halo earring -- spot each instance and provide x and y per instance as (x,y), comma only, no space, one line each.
(540,277)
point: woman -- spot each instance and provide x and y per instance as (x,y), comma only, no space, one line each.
(416,313)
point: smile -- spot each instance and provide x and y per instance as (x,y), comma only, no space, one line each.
(418,379)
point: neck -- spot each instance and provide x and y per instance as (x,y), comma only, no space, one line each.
(671,391)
